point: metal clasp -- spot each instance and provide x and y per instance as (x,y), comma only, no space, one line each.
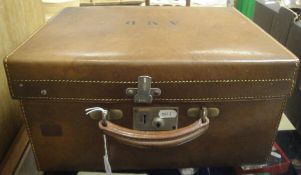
(144,93)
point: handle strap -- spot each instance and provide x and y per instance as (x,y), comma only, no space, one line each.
(155,139)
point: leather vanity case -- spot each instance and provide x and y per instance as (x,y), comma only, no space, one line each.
(169,87)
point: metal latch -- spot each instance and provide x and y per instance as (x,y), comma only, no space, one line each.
(144,93)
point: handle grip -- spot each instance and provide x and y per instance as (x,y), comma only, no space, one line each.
(155,139)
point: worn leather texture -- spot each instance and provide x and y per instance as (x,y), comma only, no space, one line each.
(243,133)
(155,139)
(87,57)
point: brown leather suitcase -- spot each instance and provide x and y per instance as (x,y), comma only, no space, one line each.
(181,87)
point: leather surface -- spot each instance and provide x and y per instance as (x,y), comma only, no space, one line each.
(243,133)
(155,139)
(95,52)
(87,57)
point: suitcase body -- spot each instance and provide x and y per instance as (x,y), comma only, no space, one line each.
(179,67)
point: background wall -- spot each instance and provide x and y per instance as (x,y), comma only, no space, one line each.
(18,20)
(246,7)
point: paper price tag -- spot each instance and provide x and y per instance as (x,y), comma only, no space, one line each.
(168,113)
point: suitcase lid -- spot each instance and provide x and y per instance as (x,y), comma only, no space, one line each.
(192,54)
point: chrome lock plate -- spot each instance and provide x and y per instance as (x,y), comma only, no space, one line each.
(155,118)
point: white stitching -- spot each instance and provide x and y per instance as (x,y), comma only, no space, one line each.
(79,81)
(221,98)
(20,45)
(224,81)
(27,124)
(79,99)
(8,77)
(158,82)
(278,122)
(294,78)
(111,100)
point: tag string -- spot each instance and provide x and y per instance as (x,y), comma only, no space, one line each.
(106,157)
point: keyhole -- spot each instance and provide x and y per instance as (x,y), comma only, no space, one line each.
(144,119)
(158,125)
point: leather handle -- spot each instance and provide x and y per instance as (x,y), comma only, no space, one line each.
(155,139)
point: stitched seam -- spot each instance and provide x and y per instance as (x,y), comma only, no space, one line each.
(276,42)
(8,77)
(159,99)
(278,122)
(158,82)
(222,98)
(225,81)
(294,78)
(81,99)
(20,45)
(27,124)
